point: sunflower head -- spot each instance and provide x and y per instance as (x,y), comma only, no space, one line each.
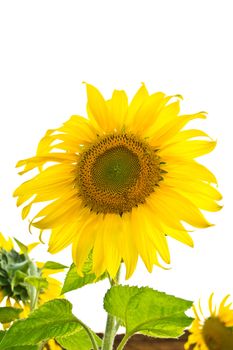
(15,268)
(121,180)
(117,173)
(214,331)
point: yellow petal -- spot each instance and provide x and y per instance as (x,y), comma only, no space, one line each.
(55,214)
(6,244)
(78,130)
(26,210)
(136,103)
(147,114)
(128,249)
(35,162)
(53,177)
(142,240)
(112,245)
(85,240)
(188,170)
(99,265)
(202,202)
(154,230)
(32,246)
(181,236)
(188,149)
(193,187)
(166,116)
(183,208)
(98,108)
(63,236)
(169,129)
(185,135)
(212,311)
(162,212)
(118,106)
(44,144)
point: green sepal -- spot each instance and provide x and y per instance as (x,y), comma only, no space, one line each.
(22,247)
(37,282)
(18,279)
(147,311)
(9,314)
(13,269)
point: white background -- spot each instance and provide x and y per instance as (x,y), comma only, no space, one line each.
(47,48)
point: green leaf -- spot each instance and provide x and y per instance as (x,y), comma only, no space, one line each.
(148,311)
(25,347)
(52,265)
(172,326)
(21,246)
(37,282)
(74,281)
(53,319)
(116,301)
(77,340)
(8,314)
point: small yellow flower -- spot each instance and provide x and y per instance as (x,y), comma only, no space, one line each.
(214,331)
(123,180)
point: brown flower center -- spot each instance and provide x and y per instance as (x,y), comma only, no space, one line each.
(216,335)
(117,173)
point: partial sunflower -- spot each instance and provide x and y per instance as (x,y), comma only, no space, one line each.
(14,269)
(214,331)
(122,180)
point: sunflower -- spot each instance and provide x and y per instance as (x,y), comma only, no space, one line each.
(14,268)
(14,292)
(213,332)
(120,180)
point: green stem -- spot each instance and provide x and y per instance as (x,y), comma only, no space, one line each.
(90,334)
(123,341)
(111,324)
(109,333)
